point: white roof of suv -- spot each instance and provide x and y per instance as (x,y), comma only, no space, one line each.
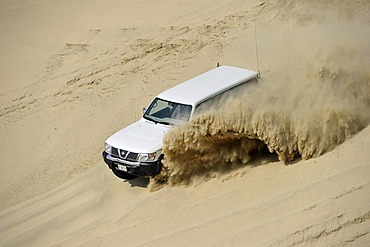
(207,85)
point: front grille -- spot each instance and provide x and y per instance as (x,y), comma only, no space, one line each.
(132,156)
(115,152)
(124,154)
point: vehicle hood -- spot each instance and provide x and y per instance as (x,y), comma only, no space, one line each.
(142,136)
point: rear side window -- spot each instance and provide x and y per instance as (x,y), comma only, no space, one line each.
(222,99)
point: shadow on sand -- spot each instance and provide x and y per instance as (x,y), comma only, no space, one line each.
(139,182)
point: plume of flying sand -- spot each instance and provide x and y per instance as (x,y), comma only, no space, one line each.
(306,113)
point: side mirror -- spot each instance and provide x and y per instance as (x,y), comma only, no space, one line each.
(144,110)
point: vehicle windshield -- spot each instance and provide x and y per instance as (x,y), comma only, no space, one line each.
(166,112)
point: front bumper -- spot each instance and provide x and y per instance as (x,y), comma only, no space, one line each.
(141,169)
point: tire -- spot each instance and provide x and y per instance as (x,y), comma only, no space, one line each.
(160,165)
(123,175)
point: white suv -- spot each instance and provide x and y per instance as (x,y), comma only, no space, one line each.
(137,149)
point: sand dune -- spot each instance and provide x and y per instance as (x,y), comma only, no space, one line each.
(322,202)
(74,73)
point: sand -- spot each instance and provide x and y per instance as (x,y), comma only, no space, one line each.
(73,73)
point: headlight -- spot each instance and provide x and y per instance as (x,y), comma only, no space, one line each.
(149,157)
(108,148)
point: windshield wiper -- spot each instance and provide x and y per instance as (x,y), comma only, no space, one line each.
(163,122)
(156,121)
(150,119)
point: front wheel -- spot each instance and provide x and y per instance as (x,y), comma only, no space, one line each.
(123,175)
(160,165)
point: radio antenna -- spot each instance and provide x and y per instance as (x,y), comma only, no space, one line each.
(255,41)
